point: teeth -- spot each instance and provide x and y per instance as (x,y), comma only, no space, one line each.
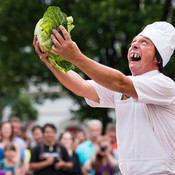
(134,55)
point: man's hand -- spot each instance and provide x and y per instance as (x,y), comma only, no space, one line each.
(59,164)
(43,56)
(65,47)
(49,161)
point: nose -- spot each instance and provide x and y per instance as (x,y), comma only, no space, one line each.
(135,45)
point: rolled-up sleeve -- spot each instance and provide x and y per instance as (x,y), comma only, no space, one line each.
(105,95)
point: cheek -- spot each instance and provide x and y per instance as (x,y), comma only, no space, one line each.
(128,54)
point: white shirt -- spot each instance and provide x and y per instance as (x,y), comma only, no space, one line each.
(145,127)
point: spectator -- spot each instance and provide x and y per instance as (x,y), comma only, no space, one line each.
(16,125)
(66,139)
(79,137)
(37,135)
(86,149)
(6,137)
(111,133)
(102,161)
(27,156)
(10,164)
(49,157)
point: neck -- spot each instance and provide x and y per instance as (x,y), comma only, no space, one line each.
(49,143)
(94,142)
(9,162)
(140,73)
(70,151)
(5,140)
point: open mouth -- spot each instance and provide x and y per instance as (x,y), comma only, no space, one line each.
(135,57)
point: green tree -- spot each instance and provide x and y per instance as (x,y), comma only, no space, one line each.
(103,31)
(23,108)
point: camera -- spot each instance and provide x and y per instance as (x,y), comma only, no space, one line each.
(103,148)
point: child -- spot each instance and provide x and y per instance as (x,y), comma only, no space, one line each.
(10,163)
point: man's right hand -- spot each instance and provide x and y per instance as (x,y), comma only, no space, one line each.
(49,161)
(43,56)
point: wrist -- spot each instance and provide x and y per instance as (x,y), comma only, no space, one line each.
(17,164)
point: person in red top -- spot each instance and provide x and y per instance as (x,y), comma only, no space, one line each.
(111,133)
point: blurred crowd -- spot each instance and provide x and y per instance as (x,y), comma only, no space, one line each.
(43,152)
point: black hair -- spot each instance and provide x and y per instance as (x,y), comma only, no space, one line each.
(50,125)
(36,127)
(159,60)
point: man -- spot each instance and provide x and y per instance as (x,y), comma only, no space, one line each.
(16,125)
(37,135)
(144,102)
(49,157)
(86,149)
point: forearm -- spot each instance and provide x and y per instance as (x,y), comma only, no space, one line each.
(71,80)
(74,82)
(38,166)
(68,165)
(112,160)
(87,167)
(17,170)
(103,75)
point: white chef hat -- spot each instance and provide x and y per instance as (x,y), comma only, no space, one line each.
(162,34)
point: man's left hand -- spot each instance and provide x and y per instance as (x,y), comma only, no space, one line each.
(65,47)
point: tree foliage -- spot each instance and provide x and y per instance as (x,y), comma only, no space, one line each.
(103,31)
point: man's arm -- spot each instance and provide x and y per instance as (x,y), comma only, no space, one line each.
(64,165)
(35,166)
(103,75)
(72,81)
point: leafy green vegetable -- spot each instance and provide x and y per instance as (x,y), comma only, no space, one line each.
(52,19)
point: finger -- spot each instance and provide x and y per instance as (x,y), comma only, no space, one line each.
(55,49)
(58,36)
(34,40)
(44,55)
(65,33)
(37,48)
(55,41)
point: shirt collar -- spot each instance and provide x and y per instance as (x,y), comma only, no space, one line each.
(150,73)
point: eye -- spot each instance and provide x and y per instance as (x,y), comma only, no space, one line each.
(144,42)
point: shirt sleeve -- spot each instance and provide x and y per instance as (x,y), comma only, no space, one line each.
(64,154)
(35,154)
(158,90)
(106,96)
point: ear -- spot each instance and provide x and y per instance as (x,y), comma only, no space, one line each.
(155,60)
